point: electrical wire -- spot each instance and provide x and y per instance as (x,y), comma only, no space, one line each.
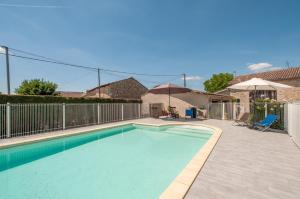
(54,61)
(32,54)
(122,74)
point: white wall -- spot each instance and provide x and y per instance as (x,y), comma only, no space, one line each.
(293,121)
(181,101)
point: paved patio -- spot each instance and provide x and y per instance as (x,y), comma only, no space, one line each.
(247,163)
(244,164)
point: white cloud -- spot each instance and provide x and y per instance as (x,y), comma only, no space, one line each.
(260,67)
(192,78)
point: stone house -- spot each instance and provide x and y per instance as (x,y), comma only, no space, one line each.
(128,88)
(288,76)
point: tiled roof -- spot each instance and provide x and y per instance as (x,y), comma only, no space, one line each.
(276,75)
(210,94)
(70,94)
(122,80)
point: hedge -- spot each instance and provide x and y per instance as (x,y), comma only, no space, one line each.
(18,99)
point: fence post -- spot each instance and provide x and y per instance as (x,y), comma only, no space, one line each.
(8,133)
(122,111)
(139,107)
(286,116)
(234,115)
(266,109)
(98,111)
(223,111)
(208,110)
(64,116)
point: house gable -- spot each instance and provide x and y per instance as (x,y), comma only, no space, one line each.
(128,88)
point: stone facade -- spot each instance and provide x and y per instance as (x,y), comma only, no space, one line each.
(244,98)
(289,95)
(125,89)
(288,76)
(290,82)
(283,95)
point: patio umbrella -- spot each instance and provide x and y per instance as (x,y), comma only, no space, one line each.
(258,84)
(169,89)
(255,84)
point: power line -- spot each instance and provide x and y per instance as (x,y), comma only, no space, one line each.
(54,61)
(32,54)
(36,57)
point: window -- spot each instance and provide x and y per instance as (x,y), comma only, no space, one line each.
(263,95)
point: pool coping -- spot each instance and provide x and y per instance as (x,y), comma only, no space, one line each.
(56,135)
(179,187)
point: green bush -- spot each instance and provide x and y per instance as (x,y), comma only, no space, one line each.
(19,99)
(36,87)
(217,82)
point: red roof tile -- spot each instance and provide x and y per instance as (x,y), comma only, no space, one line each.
(70,94)
(276,75)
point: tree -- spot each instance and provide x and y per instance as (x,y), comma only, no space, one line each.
(218,82)
(36,87)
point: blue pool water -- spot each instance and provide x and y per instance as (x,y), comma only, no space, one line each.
(131,161)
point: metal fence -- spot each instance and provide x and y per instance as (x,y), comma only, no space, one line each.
(232,111)
(27,119)
(223,111)
(2,120)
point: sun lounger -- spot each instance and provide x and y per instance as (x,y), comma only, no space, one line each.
(266,123)
(243,120)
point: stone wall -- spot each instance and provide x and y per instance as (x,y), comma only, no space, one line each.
(291,82)
(283,95)
(243,96)
(124,89)
(289,95)
(128,88)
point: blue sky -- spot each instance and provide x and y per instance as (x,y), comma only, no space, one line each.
(197,37)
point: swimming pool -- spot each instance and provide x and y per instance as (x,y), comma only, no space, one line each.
(130,161)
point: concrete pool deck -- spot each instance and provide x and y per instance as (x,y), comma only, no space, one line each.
(245,163)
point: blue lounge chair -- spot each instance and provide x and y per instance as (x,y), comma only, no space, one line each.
(266,123)
(191,113)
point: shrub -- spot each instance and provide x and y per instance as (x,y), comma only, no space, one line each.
(36,87)
(19,99)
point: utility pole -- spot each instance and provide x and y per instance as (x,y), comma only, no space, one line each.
(99,92)
(7,69)
(184,80)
